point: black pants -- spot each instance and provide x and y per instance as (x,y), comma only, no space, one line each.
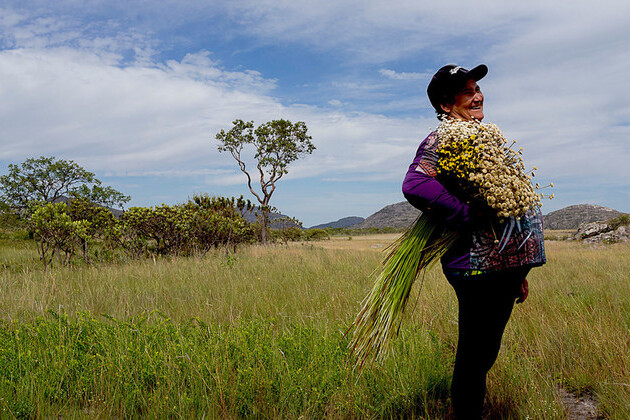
(485,306)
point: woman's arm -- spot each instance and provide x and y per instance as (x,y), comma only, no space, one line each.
(523,292)
(426,193)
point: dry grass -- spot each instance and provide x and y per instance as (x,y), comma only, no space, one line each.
(359,242)
(573,331)
(559,234)
(382,241)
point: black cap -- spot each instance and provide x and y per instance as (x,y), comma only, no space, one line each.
(449,79)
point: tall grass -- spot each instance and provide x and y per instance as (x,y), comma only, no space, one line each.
(293,284)
(259,334)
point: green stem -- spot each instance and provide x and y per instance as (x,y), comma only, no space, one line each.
(381,314)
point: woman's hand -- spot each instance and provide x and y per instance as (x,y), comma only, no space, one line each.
(523,292)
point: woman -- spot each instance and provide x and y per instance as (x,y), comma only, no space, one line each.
(487,277)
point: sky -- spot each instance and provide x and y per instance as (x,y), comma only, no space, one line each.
(135,91)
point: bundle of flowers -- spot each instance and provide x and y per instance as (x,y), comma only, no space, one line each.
(476,160)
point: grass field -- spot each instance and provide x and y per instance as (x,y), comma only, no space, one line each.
(260,334)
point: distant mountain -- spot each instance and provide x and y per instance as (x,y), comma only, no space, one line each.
(116,212)
(399,216)
(572,216)
(403,214)
(341,223)
(252,217)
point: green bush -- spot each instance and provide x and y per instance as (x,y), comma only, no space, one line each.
(623,220)
(292,233)
(316,235)
(56,233)
(197,226)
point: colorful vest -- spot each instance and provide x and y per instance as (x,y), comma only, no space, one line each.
(483,245)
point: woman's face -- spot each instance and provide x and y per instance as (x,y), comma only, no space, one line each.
(468,103)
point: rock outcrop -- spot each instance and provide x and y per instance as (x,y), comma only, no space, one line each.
(605,232)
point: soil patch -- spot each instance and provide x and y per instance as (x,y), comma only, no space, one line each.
(583,407)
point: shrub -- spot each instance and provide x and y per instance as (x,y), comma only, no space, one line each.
(199,225)
(316,235)
(623,220)
(56,232)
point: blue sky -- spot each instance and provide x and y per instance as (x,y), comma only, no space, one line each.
(135,91)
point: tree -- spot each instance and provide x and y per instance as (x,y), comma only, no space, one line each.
(98,221)
(46,179)
(218,221)
(9,220)
(277,143)
(98,194)
(287,229)
(56,233)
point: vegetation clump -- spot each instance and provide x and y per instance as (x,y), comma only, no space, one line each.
(623,220)
(362,231)
(477,159)
(192,228)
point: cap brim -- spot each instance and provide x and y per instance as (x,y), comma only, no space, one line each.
(478,72)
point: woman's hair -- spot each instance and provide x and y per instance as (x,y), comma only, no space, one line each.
(447,95)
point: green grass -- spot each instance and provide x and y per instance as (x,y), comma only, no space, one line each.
(260,334)
(56,366)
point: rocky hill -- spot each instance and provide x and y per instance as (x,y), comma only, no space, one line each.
(399,215)
(341,223)
(572,217)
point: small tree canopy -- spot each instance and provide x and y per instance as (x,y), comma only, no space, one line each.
(46,179)
(56,233)
(103,195)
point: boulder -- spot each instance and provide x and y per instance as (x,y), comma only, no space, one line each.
(591,229)
(595,232)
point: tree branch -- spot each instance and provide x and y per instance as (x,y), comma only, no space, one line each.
(236,153)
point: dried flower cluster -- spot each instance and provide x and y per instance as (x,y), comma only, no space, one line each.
(477,158)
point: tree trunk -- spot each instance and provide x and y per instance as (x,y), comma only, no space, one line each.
(264,223)
(85,251)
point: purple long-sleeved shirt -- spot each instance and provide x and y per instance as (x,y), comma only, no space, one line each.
(477,247)
(426,193)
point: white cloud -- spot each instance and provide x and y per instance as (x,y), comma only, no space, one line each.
(379,31)
(176,172)
(71,102)
(161,120)
(394,75)
(229,179)
(198,66)
(94,90)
